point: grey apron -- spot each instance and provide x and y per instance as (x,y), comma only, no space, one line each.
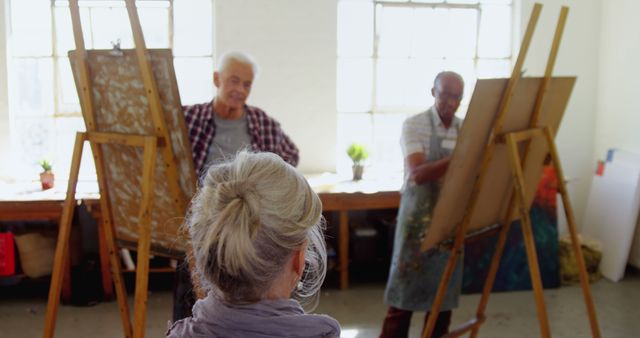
(414,276)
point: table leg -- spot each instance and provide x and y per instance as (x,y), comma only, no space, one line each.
(344,249)
(66,278)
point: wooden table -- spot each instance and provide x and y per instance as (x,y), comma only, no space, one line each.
(337,195)
(343,195)
(26,201)
(345,202)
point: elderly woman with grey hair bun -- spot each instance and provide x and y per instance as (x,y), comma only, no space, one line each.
(256,230)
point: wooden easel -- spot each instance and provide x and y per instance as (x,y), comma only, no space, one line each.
(517,199)
(151,145)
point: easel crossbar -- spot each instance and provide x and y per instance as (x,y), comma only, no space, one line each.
(524,135)
(123,139)
(470,325)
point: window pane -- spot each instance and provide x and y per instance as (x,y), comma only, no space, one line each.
(155,26)
(495,32)
(467,70)
(462,1)
(352,128)
(462,33)
(406,83)
(68,101)
(64,31)
(488,69)
(355,28)
(429,1)
(386,154)
(34,140)
(420,81)
(31,28)
(355,85)
(32,90)
(395,31)
(192,28)
(109,25)
(52,139)
(65,133)
(85,20)
(391,82)
(195,79)
(428,37)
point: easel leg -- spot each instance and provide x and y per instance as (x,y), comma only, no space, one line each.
(527,232)
(110,240)
(493,269)
(116,274)
(442,289)
(144,241)
(571,225)
(62,245)
(66,277)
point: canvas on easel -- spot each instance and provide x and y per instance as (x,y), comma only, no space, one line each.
(120,106)
(494,171)
(136,130)
(465,164)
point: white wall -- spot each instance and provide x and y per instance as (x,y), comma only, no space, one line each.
(294,43)
(578,56)
(618,119)
(4,104)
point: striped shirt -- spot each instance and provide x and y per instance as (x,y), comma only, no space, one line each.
(266,134)
(416,134)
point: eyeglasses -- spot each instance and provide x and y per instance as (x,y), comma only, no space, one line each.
(449,96)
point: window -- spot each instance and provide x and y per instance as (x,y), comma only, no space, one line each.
(44,107)
(389,53)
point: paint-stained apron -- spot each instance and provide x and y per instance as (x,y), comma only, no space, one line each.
(414,276)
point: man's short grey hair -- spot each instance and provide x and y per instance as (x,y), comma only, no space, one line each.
(241,57)
(440,75)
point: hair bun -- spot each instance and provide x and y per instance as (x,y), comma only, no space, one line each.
(238,197)
(231,190)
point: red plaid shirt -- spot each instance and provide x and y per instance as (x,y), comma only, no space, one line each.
(265,132)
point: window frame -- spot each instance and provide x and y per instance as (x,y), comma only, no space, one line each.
(56,57)
(376,115)
(378,5)
(60,116)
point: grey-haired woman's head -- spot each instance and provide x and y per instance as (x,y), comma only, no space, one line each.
(249,218)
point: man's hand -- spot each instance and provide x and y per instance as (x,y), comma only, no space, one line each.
(422,171)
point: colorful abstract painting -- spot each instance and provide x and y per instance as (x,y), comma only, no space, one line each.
(513,273)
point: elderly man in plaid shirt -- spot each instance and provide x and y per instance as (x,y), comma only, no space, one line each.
(219,129)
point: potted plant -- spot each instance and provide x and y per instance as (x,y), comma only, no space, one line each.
(46,176)
(358,153)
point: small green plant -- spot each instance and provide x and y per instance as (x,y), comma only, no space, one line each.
(46,165)
(358,153)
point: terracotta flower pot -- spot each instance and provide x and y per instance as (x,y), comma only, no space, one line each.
(47,178)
